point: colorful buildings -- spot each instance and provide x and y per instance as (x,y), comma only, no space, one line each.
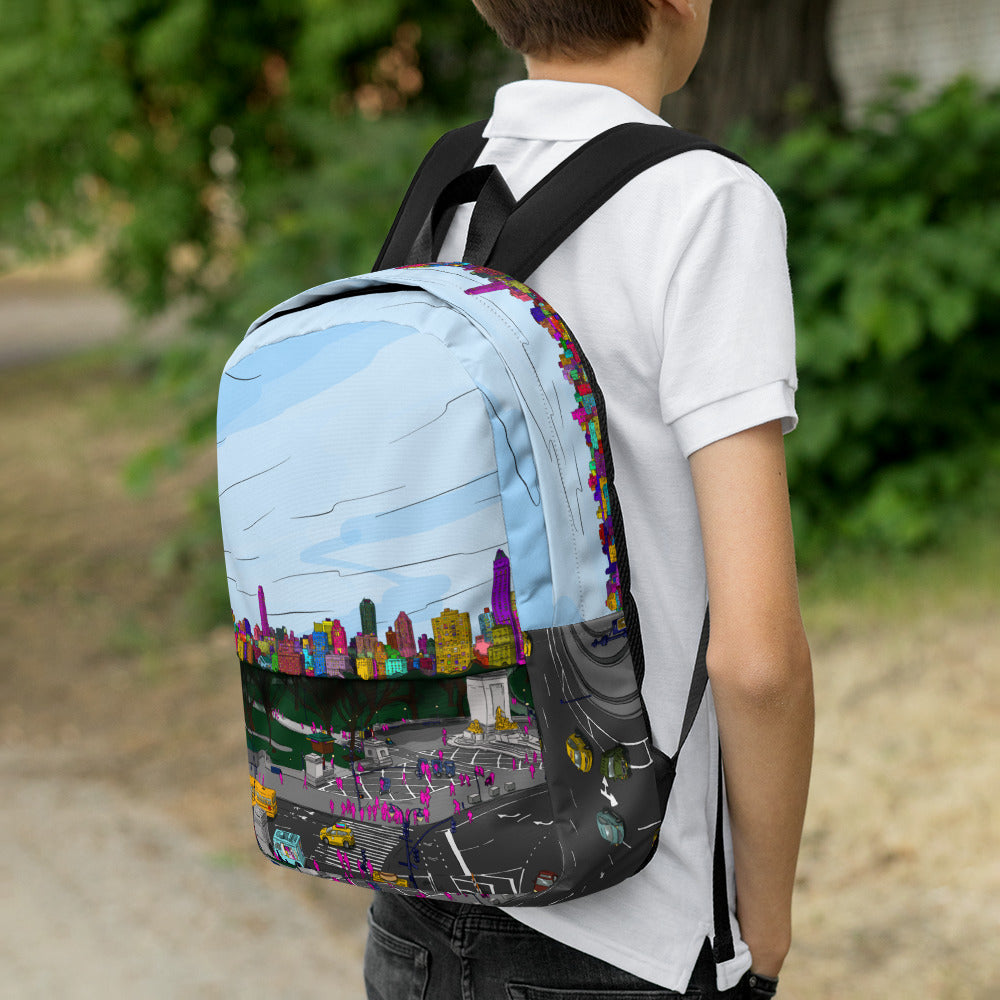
(367,609)
(453,639)
(404,636)
(453,649)
(290,660)
(264,627)
(395,664)
(504,608)
(486,625)
(337,664)
(336,636)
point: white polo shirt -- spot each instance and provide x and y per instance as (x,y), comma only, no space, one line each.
(678,291)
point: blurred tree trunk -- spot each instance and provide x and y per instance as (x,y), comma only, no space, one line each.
(765,62)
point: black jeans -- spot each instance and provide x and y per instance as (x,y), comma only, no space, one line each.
(419,950)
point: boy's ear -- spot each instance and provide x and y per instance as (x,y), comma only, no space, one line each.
(682,8)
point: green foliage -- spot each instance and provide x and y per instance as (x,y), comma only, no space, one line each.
(894,237)
(173,127)
(227,155)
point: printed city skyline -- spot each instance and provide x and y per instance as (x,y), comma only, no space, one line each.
(328,651)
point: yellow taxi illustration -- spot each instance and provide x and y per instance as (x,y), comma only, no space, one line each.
(579,752)
(338,835)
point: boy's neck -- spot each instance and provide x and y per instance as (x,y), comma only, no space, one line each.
(634,70)
(648,70)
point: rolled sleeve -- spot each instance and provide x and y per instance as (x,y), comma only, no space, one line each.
(728,360)
(725,417)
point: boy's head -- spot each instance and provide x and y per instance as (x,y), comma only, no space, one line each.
(646,48)
(567,28)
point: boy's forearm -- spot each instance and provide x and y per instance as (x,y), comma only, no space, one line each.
(759,666)
(766,728)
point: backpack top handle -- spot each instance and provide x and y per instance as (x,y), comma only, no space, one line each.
(454,153)
(494,203)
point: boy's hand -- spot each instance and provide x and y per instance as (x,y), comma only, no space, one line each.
(759,666)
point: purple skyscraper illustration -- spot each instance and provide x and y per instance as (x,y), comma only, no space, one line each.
(264,627)
(504,612)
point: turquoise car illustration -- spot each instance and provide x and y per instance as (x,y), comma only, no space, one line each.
(611,827)
(288,847)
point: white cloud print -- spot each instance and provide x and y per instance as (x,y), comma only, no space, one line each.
(311,517)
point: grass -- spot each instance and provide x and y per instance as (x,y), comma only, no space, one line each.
(859,590)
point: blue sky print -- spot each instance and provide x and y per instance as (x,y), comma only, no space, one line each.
(310,516)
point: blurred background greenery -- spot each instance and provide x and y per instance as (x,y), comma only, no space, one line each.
(226,155)
(217,157)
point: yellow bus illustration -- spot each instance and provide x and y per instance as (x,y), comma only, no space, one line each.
(265,798)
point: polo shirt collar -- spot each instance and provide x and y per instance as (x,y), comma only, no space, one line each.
(557,110)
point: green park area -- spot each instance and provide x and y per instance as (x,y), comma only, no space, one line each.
(213,159)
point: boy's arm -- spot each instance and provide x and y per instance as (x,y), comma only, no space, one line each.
(759,665)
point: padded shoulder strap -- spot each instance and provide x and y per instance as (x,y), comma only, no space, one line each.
(454,153)
(580,185)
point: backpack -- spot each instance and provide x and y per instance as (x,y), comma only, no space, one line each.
(441,660)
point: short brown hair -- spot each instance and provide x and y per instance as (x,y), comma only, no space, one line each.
(566,27)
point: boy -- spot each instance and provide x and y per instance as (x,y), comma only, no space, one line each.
(677,289)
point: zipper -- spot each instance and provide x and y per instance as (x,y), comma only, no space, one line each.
(629,609)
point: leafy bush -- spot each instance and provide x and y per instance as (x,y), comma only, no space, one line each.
(180,129)
(894,243)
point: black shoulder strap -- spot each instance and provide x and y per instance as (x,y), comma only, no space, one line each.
(699,681)
(453,154)
(580,185)
(723,946)
(551,210)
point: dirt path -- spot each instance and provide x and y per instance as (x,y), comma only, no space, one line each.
(899,877)
(49,310)
(128,866)
(108,896)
